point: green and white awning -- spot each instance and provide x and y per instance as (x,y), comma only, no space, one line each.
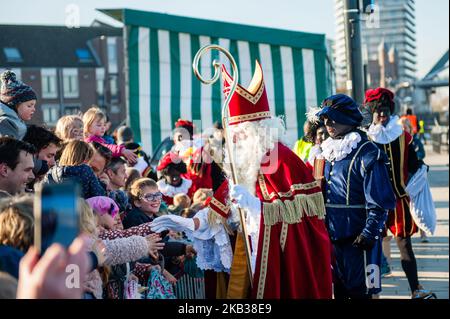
(163,87)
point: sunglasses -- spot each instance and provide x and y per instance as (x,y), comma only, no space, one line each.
(150,197)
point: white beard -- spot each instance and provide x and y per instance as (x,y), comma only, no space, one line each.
(254,140)
(246,163)
(260,137)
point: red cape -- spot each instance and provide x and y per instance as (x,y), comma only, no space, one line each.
(294,251)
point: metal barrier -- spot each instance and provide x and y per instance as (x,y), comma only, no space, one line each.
(188,287)
(439,139)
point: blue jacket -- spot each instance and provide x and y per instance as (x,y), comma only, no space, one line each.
(83,174)
(10,259)
(358,193)
(10,123)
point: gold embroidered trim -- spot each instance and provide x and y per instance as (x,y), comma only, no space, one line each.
(292,211)
(290,193)
(248,117)
(338,206)
(350,171)
(402,160)
(296,187)
(224,208)
(264,261)
(391,160)
(404,218)
(283,236)
(243,92)
(262,185)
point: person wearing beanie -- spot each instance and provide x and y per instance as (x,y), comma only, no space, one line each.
(17,104)
(356,205)
(388,135)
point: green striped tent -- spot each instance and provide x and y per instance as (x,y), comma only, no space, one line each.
(162,87)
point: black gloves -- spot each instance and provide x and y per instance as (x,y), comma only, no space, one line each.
(363,243)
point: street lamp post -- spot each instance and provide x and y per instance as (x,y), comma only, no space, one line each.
(355,68)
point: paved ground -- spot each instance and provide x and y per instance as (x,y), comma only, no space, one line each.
(432,258)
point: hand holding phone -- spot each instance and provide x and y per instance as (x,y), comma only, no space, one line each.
(57,217)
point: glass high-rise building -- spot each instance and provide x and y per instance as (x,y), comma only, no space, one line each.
(393,27)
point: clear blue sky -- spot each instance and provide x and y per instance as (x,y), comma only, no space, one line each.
(302,15)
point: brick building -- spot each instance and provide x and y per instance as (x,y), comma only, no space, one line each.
(70,69)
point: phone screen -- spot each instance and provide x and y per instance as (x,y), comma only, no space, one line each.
(59,215)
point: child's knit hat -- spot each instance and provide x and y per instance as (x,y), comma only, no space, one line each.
(13,91)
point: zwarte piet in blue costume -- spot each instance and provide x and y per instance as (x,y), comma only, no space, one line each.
(355,204)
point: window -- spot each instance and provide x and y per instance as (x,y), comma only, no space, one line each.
(50,113)
(83,55)
(70,79)
(114,88)
(104,109)
(49,87)
(72,110)
(12,55)
(100,79)
(112,55)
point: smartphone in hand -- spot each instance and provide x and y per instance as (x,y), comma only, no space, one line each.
(57,216)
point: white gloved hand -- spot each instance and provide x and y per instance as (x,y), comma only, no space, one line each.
(242,197)
(172,222)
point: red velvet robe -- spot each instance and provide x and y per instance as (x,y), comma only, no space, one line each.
(294,251)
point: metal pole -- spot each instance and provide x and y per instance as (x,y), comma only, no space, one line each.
(355,70)
(126,71)
(60,85)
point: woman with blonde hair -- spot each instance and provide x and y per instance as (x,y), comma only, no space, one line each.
(76,153)
(17,222)
(73,166)
(16,231)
